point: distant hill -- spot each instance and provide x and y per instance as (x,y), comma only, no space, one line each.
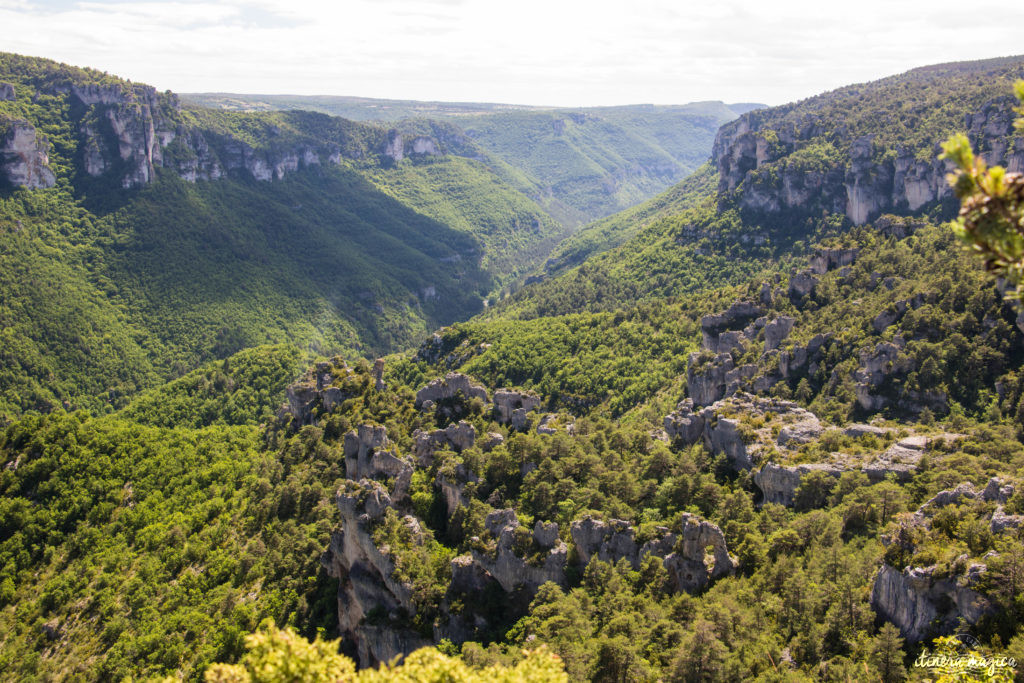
(140,237)
(579,164)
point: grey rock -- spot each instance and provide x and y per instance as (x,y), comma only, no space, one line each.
(920,604)
(545,534)
(859,430)
(779,484)
(824,260)
(365,574)
(24,159)
(511,407)
(452,386)
(776,331)
(7,92)
(801,284)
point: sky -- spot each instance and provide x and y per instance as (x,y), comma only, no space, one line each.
(540,52)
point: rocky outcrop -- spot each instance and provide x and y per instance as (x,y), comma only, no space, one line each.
(366,581)
(877,366)
(24,156)
(507,564)
(801,285)
(722,433)
(803,357)
(378,375)
(920,603)
(457,436)
(512,407)
(778,484)
(684,554)
(824,260)
(454,386)
(7,93)
(776,331)
(735,317)
(756,158)
(453,487)
(366,457)
(315,391)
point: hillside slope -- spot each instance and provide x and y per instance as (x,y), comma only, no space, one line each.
(140,238)
(785,176)
(579,164)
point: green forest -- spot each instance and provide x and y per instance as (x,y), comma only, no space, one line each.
(285,399)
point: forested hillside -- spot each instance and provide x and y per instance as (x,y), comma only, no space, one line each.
(579,164)
(139,238)
(765,426)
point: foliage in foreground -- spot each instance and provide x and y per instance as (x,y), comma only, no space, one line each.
(992,213)
(282,656)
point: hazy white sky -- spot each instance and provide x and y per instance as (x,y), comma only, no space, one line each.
(560,52)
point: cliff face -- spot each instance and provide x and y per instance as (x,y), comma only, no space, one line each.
(803,164)
(127,131)
(23,156)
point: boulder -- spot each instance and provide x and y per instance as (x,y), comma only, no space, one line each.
(7,92)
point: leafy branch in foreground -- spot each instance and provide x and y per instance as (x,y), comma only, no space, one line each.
(991,218)
(283,656)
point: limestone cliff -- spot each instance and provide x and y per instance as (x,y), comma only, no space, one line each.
(23,156)
(778,162)
(127,131)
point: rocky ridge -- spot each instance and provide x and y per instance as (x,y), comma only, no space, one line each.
(127,131)
(376,608)
(763,162)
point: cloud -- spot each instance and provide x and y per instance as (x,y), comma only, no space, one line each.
(565,52)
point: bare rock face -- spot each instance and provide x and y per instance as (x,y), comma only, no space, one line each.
(799,357)
(735,317)
(511,407)
(688,565)
(378,375)
(7,92)
(366,581)
(608,541)
(508,567)
(801,284)
(914,598)
(707,382)
(24,156)
(453,385)
(876,367)
(454,489)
